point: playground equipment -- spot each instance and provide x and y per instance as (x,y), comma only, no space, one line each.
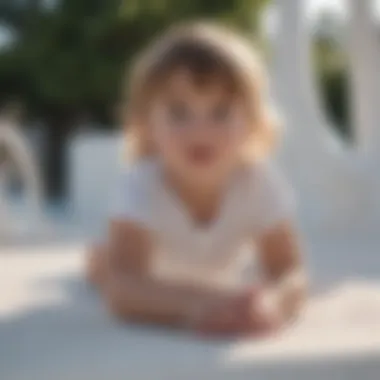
(336,183)
(16,159)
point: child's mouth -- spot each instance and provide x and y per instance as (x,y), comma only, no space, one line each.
(201,155)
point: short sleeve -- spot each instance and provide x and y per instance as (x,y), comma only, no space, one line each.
(274,199)
(130,197)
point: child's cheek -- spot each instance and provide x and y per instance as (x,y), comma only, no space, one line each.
(237,130)
(168,143)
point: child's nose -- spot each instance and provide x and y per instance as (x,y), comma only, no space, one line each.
(202,130)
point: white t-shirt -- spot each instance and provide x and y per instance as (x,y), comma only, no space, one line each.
(257,199)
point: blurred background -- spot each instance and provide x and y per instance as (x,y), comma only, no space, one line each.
(63,70)
(64,66)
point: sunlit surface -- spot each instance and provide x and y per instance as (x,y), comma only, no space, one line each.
(52,322)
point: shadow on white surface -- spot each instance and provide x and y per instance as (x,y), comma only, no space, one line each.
(52,326)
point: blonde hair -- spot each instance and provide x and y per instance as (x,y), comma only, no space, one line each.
(210,53)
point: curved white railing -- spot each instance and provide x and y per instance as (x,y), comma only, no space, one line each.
(19,157)
(336,183)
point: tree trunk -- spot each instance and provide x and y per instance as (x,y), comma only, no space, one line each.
(55,160)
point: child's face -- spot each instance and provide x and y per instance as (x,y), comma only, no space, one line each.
(198,131)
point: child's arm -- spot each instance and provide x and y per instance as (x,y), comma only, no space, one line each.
(280,296)
(283,268)
(133,293)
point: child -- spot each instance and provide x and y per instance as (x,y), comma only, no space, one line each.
(198,188)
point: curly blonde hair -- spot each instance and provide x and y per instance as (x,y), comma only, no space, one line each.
(211,54)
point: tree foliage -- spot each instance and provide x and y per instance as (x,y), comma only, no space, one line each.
(69,58)
(333,76)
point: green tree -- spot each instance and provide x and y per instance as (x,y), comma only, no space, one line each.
(69,59)
(332,70)
(332,74)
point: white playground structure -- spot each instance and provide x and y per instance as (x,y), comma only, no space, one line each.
(337,184)
(17,159)
(52,326)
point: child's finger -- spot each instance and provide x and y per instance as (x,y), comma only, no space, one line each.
(222,323)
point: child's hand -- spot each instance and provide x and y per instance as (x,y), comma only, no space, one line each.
(247,313)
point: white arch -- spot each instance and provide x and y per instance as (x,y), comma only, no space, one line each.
(23,159)
(363,51)
(331,185)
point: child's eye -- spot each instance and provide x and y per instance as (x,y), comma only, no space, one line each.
(179,113)
(221,113)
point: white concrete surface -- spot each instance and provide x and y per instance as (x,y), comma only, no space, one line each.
(52,326)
